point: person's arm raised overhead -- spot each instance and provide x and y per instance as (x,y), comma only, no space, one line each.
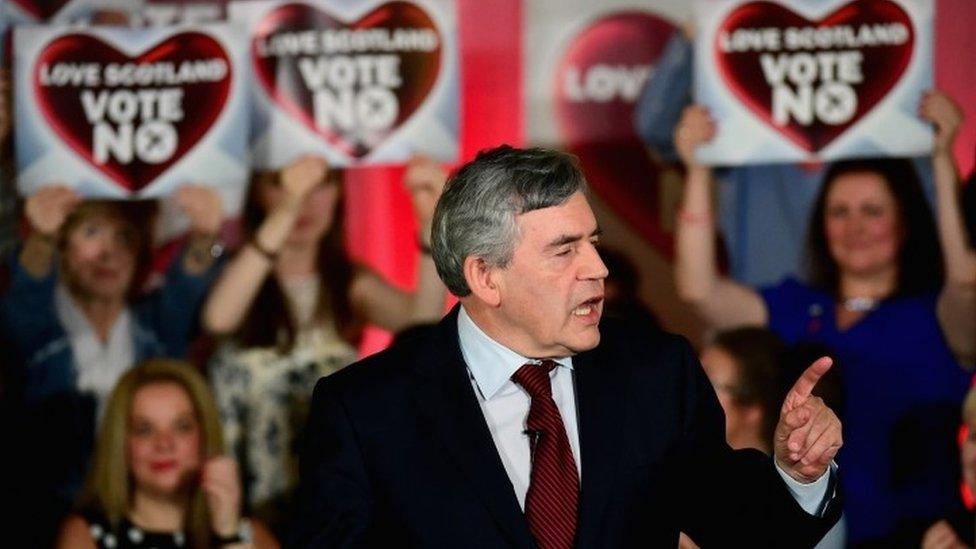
(392,308)
(46,211)
(234,292)
(720,301)
(957,302)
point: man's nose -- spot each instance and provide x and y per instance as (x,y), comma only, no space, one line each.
(593,266)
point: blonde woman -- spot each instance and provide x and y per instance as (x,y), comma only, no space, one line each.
(159,477)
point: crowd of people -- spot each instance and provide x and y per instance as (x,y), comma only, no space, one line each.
(170,413)
(121,439)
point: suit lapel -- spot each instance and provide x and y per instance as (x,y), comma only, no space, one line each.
(601,389)
(443,391)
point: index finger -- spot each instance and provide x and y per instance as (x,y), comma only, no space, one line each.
(804,386)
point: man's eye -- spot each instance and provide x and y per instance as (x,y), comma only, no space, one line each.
(564,251)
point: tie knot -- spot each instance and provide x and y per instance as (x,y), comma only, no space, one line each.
(534,378)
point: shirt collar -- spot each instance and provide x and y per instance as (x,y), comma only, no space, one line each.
(491,364)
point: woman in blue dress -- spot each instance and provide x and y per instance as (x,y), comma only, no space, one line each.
(891,290)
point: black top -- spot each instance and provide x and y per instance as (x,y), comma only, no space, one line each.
(128,535)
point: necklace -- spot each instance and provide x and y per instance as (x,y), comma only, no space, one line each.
(860,304)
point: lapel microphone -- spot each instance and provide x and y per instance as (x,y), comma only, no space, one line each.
(533,435)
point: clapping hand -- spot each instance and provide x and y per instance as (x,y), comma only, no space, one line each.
(222,487)
(808,434)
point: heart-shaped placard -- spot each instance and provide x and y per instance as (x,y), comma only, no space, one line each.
(194,104)
(855,29)
(41,9)
(598,82)
(406,82)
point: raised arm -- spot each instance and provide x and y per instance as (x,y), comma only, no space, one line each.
(205,210)
(234,292)
(390,307)
(957,302)
(172,309)
(46,212)
(720,301)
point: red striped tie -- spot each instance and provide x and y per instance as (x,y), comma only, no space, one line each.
(553,498)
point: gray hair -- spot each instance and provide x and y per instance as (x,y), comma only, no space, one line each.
(476,214)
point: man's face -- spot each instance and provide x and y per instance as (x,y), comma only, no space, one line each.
(551,293)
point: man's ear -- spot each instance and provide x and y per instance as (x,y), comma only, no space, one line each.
(481,278)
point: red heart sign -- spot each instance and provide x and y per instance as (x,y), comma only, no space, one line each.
(407,76)
(598,82)
(42,10)
(151,109)
(829,73)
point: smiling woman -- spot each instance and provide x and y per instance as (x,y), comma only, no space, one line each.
(885,281)
(158,478)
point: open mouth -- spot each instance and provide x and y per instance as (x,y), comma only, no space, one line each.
(588,307)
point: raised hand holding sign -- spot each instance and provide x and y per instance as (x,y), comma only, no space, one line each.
(357,82)
(130,113)
(791,80)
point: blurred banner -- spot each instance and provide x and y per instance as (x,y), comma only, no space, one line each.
(812,80)
(360,82)
(174,12)
(586,65)
(22,12)
(38,11)
(131,113)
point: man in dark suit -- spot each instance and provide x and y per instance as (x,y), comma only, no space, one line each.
(523,421)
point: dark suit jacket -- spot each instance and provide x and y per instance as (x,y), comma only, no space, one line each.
(398,454)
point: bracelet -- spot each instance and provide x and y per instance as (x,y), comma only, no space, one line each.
(206,249)
(244,534)
(694,218)
(268,254)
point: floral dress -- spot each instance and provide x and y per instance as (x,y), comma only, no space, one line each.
(263,396)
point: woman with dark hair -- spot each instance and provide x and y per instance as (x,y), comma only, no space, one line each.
(159,477)
(77,319)
(291,306)
(880,293)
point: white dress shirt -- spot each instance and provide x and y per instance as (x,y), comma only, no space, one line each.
(506,406)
